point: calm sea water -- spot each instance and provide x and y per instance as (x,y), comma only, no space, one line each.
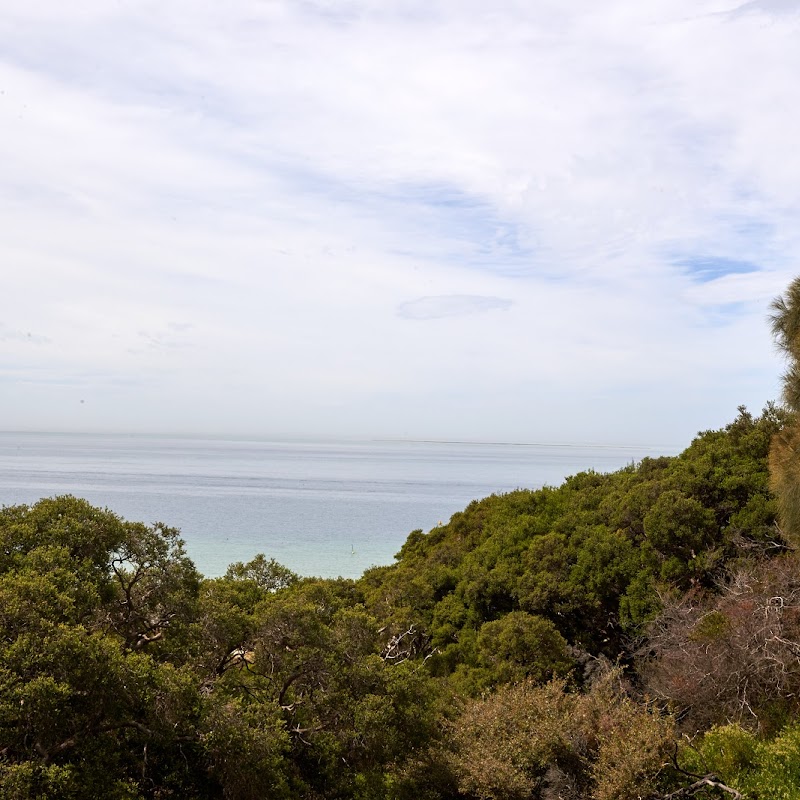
(325,509)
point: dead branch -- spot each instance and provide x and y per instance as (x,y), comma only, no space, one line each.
(706,782)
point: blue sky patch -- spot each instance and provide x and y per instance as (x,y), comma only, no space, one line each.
(463,229)
(708,268)
(428,220)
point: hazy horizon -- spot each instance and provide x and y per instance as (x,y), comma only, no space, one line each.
(297,438)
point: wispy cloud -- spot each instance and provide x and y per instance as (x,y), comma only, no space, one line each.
(454,305)
(295,181)
(172,337)
(766,7)
(8,335)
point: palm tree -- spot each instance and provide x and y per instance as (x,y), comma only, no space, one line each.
(785,322)
(784,453)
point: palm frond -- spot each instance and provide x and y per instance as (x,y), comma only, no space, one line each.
(785,320)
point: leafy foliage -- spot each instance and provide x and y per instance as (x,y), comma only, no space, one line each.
(85,596)
(592,557)
(761,769)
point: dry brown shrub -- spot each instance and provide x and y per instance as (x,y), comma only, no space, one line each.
(529,741)
(731,657)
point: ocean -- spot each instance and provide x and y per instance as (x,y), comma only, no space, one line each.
(321,508)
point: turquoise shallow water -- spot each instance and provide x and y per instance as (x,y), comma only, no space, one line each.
(321,508)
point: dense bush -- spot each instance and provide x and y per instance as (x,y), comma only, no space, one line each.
(476,666)
(734,655)
(593,556)
(760,769)
(541,741)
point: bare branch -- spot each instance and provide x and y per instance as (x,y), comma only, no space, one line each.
(706,782)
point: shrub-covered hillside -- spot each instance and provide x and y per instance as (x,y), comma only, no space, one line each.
(542,644)
(499,592)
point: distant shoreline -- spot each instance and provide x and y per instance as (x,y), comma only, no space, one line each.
(581,445)
(209,437)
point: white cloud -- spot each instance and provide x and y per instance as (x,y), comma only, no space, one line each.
(220,218)
(452,305)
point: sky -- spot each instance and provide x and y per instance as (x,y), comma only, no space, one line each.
(449,219)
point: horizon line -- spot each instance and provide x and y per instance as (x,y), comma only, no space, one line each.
(348,438)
